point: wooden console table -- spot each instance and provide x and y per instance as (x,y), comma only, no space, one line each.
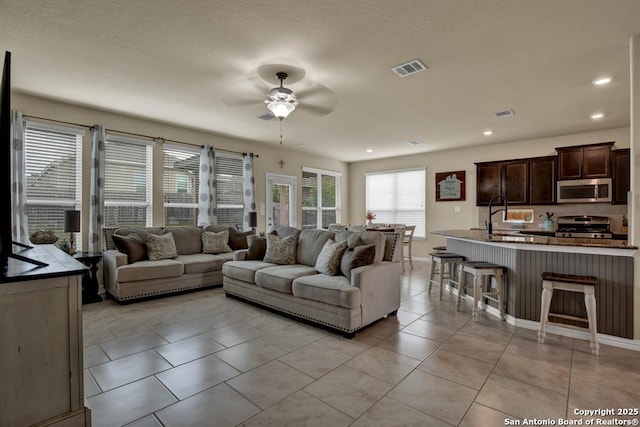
(41,342)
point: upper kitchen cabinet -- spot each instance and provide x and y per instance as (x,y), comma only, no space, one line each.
(523,181)
(584,161)
(621,166)
(542,175)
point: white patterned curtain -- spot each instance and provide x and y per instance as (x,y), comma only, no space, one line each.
(249,188)
(20,229)
(96,201)
(207,199)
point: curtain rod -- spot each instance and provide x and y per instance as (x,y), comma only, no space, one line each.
(158,138)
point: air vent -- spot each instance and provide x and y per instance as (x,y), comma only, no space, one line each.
(409,68)
(505,113)
(415,142)
(267,116)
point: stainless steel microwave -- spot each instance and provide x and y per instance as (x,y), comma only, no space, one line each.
(585,190)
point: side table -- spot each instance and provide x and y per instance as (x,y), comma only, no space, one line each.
(89,281)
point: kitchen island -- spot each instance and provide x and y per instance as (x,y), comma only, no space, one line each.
(526,257)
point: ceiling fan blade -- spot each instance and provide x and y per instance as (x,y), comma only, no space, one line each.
(239,102)
(315,110)
(316,89)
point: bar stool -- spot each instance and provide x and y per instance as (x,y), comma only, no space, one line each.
(482,273)
(444,264)
(567,282)
(438,249)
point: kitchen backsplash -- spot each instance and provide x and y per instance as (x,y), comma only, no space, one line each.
(614,212)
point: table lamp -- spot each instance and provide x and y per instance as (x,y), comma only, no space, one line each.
(71,225)
(253,221)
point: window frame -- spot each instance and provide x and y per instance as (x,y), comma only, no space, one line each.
(319,208)
(196,181)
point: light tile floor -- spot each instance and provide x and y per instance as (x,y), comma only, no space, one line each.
(201,359)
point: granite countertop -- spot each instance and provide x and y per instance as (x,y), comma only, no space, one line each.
(510,236)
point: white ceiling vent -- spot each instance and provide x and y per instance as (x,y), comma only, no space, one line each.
(415,142)
(409,68)
(505,113)
(267,116)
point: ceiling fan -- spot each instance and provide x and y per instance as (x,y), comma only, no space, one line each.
(314,98)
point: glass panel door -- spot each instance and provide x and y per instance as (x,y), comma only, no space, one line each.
(281,201)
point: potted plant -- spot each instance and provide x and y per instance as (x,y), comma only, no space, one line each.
(370,217)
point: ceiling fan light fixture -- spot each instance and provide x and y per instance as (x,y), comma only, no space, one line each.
(281,109)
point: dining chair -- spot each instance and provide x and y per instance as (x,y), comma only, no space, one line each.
(407,242)
(357,228)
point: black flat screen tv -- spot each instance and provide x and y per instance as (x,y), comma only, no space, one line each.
(6,220)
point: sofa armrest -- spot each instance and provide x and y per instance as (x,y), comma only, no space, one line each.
(111,260)
(379,285)
(240,254)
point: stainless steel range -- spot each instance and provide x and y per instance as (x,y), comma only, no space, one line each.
(590,227)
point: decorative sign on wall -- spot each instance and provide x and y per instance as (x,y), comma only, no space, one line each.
(450,186)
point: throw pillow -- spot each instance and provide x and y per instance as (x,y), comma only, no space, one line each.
(329,259)
(238,239)
(131,245)
(257,247)
(161,247)
(281,250)
(215,243)
(358,256)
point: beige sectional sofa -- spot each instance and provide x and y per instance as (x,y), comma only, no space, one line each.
(339,302)
(191,269)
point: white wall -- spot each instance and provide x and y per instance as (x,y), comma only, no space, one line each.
(441,215)
(270,153)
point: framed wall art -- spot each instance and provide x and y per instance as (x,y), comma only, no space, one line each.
(450,186)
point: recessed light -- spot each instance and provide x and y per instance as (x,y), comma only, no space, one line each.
(596,116)
(369,150)
(602,81)
(487,132)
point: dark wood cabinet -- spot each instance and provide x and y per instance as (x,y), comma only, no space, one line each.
(488,182)
(621,168)
(515,181)
(542,175)
(585,161)
(523,181)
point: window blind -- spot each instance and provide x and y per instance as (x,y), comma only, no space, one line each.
(128,182)
(230,188)
(398,197)
(180,185)
(53,165)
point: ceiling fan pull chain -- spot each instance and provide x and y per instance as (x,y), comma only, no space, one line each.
(280,131)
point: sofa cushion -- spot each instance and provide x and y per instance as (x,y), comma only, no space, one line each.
(329,258)
(281,250)
(310,244)
(215,243)
(200,263)
(244,270)
(333,290)
(355,257)
(368,238)
(131,245)
(238,239)
(257,247)
(161,247)
(285,231)
(142,232)
(149,270)
(187,239)
(279,278)
(216,228)
(226,256)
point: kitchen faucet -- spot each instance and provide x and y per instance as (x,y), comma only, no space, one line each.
(506,208)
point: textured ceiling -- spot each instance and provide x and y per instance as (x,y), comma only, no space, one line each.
(202,64)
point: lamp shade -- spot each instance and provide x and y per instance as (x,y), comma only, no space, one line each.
(253,219)
(71,221)
(281,109)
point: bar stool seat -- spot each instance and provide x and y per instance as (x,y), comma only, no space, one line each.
(444,265)
(482,273)
(440,249)
(572,283)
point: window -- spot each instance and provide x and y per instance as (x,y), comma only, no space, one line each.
(230,188)
(181,183)
(319,212)
(397,197)
(53,165)
(128,179)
